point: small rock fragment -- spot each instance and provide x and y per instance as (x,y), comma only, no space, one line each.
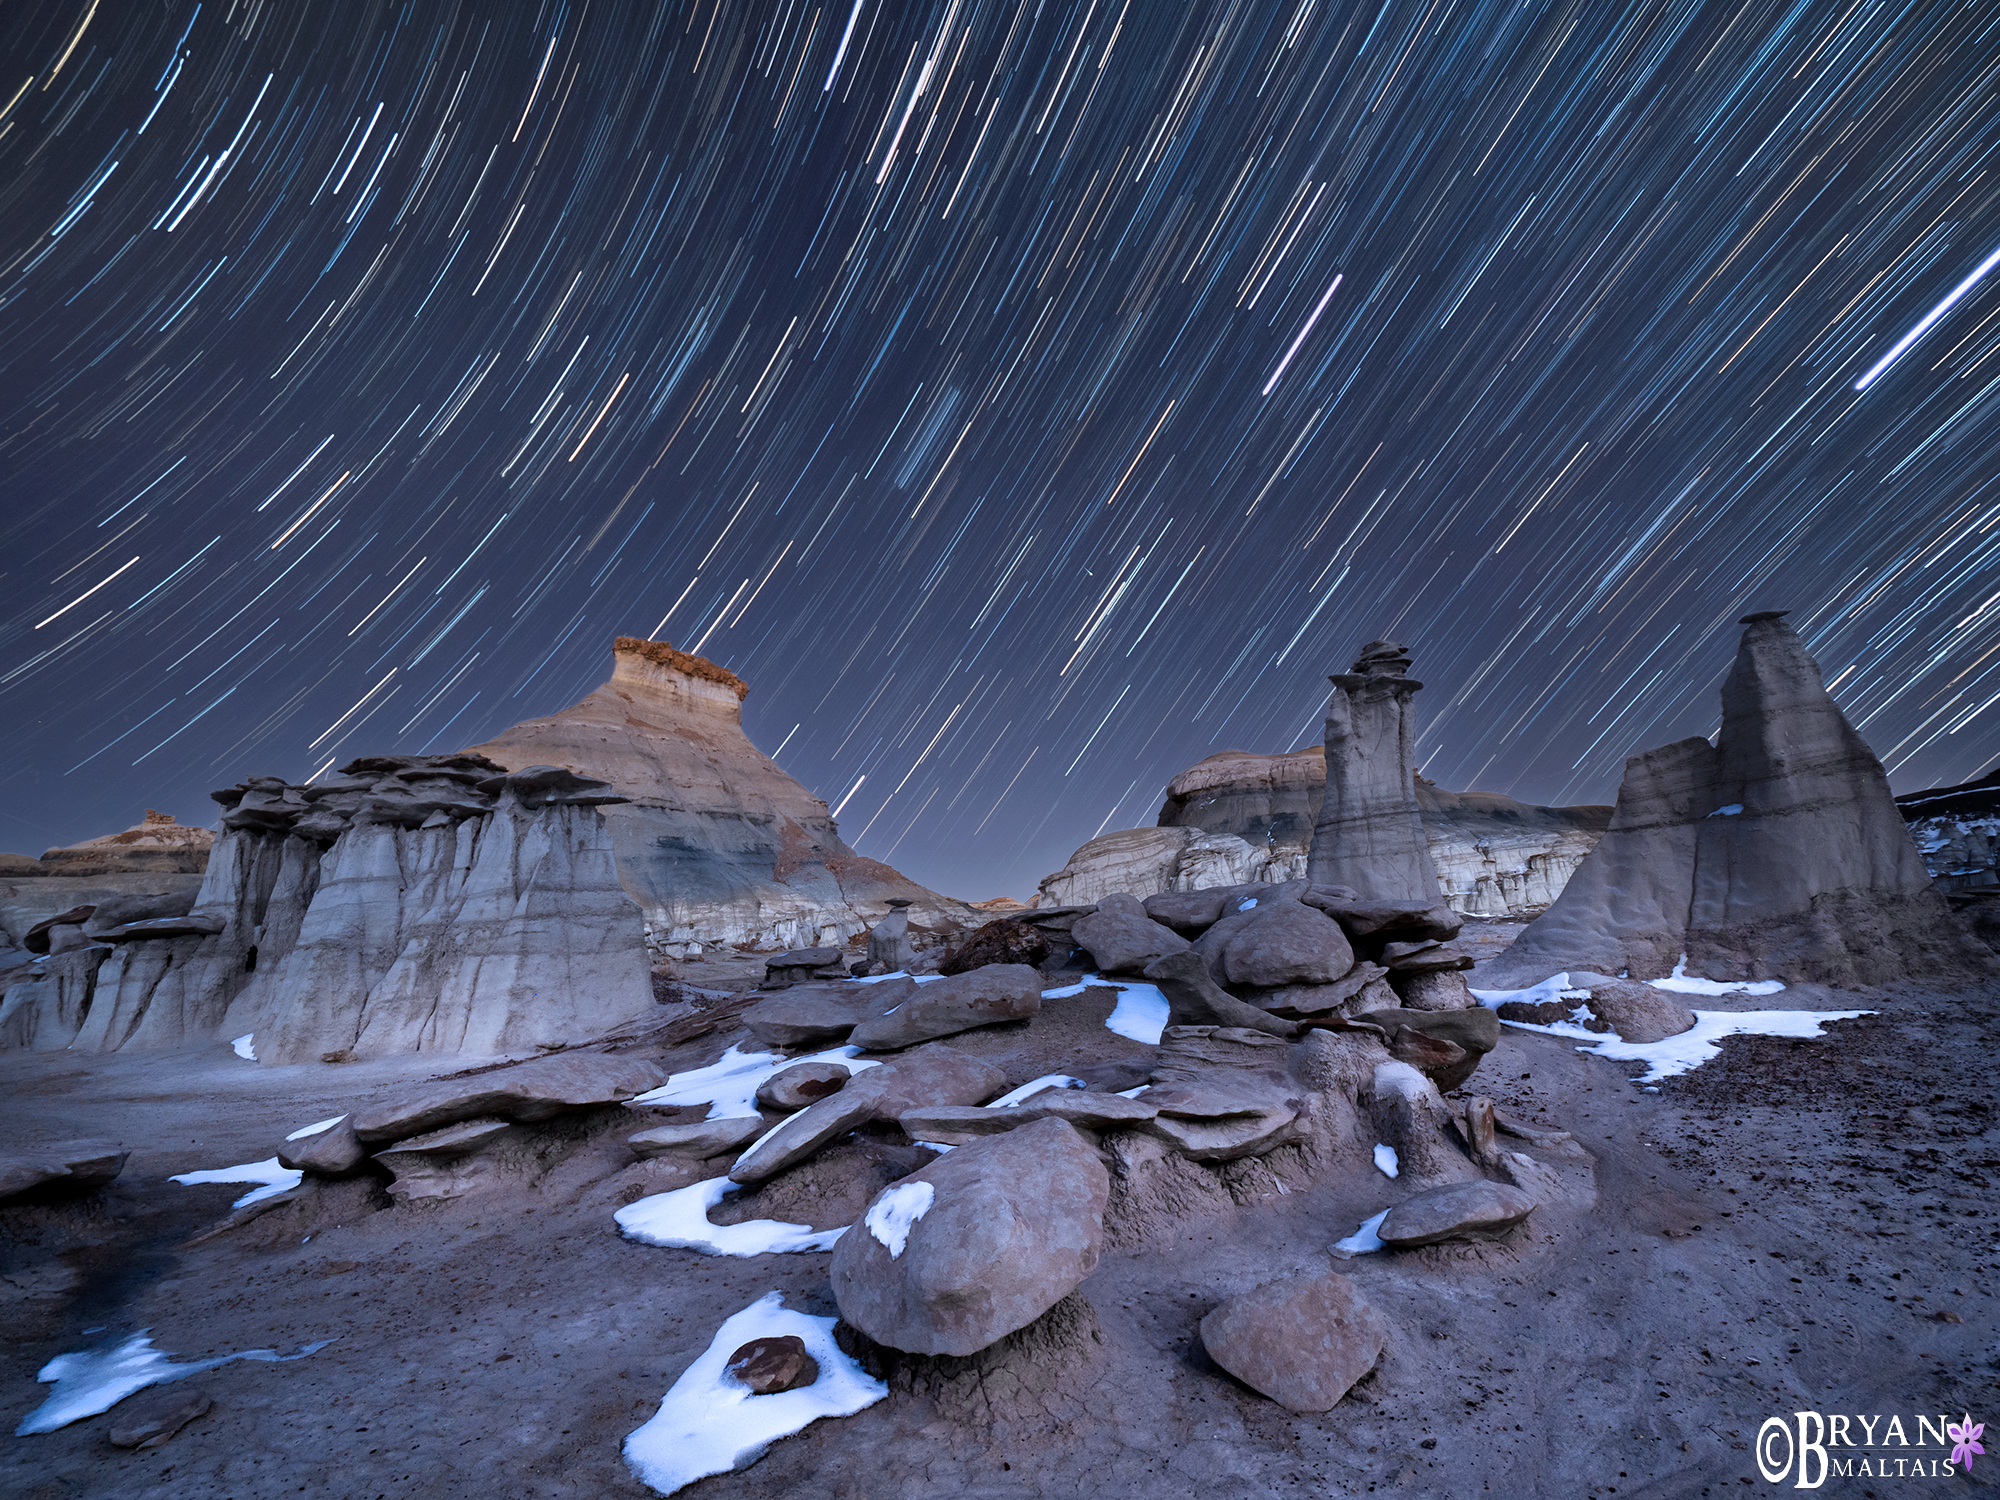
(149,1424)
(1462,1211)
(775,1363)
(1303,1341)
(796,1087)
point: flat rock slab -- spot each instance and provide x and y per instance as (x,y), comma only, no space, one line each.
(819,1014)
(1462,1211)
(984,1240)
(1476,1031)
(1222,1121)
(697,1140)
(1303,1341)
(960,1125)
(1400,920)
(148,1424)
(795,1088)
(333,1152)
(945,1007)
(529,1091)
(1195,999)
(433,1165)
(71,1166)
(928,1075)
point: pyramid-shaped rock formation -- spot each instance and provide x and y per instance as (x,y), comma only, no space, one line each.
(717,844)
(1774,853)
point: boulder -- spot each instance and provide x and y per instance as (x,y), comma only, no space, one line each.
(800,966)
(1303,1340)
(37,937)
(1324,999)
(1193,912)
(987,1239)
(1194,998)
(796,1087)
(1461,1211)
(697,1140)
(934,1074)
(434,1164)
(1636,1012)
(777,1362)
(1122,939)
(117,911)
(1385,921)
(1278,942)
(525,1092)
(1369,833)
(1001,941)
(944,1007)
(1426,956)
(334,1152)
(818,1015)
(1432,1056)
(1438,990)
(69,1167)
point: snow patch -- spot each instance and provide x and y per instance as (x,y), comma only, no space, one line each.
(890,1216)
(1034,1086)
(1385,1160)
(243,1048)
(1695,1046)
(275,1179)
(1140,1014)
(729,1085)
(95,1380)
(321,1128)
(1246,904)
(1681,982)
(711,1423)
(679,1221)
(1732,810)
(1538,994)
(1363,1240)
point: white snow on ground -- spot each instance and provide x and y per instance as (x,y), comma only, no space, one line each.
(276,1179)
(1385,1159)
(243,1048)
(1729,810)
(319,1129)
(1141,1011)
(711,1423)
(1687,984)
(679,1221)
(1538,994)
(1363,1240)
(95,1380)
(1034,1086)
(890,1216)
(729,1085)
(1246,904)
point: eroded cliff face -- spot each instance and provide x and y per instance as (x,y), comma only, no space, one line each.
(717,845)
(1238,817)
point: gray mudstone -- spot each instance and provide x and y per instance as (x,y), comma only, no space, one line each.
(334,1152)
(961,1124)
(1476,1031)
(71,1166)
(929,1075)
(1188,1053)
(889,949)
(1303,1341)
(1369,834)
(1122,939)
(944,1007)
(698,1139)
(813,1015)
(800,966)
(1432,990)
(1278,942)
(1014,1225)
(796,1087)
(529,1091)
(1461,1211)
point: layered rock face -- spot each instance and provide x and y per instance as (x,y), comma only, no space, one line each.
(1957,831)
(716,844)
(1776,853)
(1369,834)
(1236,818)
(156,845)
(412,904)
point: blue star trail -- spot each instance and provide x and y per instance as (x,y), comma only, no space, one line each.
(1027,399)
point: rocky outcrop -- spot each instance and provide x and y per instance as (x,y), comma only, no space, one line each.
(1775,853)
(716,844)
(157,845)
(412,903)
(1302,1340)
(1957,831)
(1238,818)
(1369,834)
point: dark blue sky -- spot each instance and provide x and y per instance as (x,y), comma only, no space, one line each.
(1026,399)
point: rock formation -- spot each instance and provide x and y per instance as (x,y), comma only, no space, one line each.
(1957,830)
(716,844)
(1369,834)
(411,904)
(156,845)
(1775,853)
(1236,817)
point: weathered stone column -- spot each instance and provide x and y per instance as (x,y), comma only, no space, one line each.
(1370,835)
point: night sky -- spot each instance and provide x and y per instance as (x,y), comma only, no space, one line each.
(1026,399)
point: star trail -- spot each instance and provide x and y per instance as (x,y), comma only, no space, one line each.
(1027,398)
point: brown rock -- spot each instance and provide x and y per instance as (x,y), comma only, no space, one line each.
(334,1152)
(1462,1211)
(1303,1341)
(148,1424)
(697,1140)
(944,1007)
(529,1091)
(1122,939)
(1188,1053)
(778,1362)
(1002,941)
(1476,1031)
(796,1087)
(1194,998)
(1429,1054)
(817,1015)
(1220,1121)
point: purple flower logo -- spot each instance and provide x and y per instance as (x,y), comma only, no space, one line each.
(1966,1435)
